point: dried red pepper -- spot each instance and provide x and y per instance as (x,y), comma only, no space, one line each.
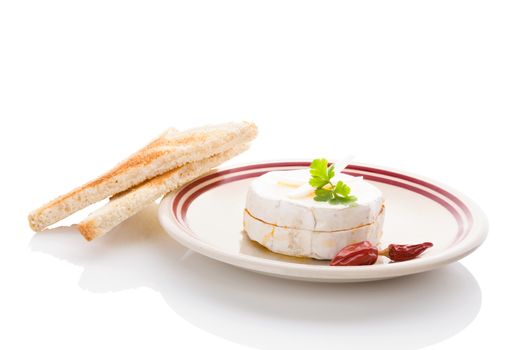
(403,252)
(365,253)
(362,253)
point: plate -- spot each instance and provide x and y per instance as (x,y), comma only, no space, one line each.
(206,216)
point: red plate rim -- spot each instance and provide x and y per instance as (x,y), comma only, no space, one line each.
(456,207)
(471,222)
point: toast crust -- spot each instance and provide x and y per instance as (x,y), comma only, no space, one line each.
(170,150)
(135,199)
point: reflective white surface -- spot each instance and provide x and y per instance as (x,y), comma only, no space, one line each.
(433,88)
(266,312)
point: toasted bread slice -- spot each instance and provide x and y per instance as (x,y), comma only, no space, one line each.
(170,150)
(130,202)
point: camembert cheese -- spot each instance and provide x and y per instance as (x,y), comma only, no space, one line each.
(283,223)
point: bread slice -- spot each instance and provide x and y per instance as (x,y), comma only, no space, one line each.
(132,201)
(170,150)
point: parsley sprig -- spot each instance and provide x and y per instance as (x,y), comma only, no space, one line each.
(325,190)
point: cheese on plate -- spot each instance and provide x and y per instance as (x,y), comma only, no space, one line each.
(283,223)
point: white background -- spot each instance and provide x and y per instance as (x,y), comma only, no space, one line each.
(431,87)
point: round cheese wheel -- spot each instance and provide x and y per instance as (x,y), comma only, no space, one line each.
(305,227)
(322,245)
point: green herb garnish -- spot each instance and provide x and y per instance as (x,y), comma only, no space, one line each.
(325,190)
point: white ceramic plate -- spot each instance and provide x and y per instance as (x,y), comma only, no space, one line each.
(206,216)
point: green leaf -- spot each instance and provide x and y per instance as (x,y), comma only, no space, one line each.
(342,189)
(317,182)
(321,175)
(331,172)
(320,172)
(343,200)
(352,199)
(339,200)
(323,195)
(318,168)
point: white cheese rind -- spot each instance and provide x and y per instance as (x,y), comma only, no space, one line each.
(285,224)
(267,200)
(323,245)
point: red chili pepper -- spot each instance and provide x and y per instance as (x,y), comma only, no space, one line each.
(365,253)
(362,253)
(403,252)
